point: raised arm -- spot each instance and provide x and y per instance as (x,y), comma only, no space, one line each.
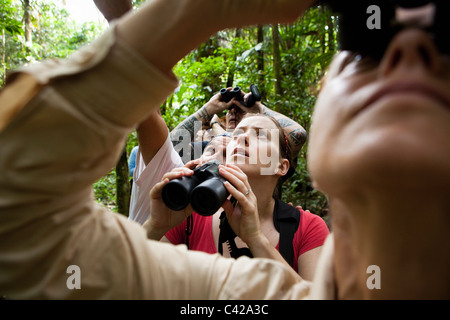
(203,116)
(152,133)
(113,9)
(164,31)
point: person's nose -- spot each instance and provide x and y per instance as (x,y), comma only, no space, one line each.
(242,139)
(411,48)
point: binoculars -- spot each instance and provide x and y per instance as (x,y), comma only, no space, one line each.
(236,92)
(204,190)
(368,26)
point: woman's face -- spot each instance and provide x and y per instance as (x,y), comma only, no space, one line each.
(384,121)
(216,149)
(255,146)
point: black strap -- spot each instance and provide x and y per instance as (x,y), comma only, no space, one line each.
(286,219)
(227,236)
(189,227)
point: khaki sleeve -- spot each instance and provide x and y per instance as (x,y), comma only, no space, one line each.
(178,273)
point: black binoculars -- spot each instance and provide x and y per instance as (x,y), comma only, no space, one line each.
(204,190)
(368,26)
(236,92)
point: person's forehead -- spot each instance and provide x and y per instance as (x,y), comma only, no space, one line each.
(256,122)
(235,110)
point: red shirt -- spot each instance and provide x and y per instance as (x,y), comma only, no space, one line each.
(310,234)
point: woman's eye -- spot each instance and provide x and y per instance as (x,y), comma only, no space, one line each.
(262,134)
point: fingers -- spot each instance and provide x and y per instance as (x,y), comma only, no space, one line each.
(240,105)
(237,183)
(155,192)
(235,176)
(192,164)
(228,104)
(238,195)
(228,207)
(176,173)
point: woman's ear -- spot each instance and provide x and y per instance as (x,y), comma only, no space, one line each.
(283,168)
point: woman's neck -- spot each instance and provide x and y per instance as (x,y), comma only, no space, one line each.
(403,233)
(263,187)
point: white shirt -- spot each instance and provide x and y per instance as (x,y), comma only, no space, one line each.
(145,177)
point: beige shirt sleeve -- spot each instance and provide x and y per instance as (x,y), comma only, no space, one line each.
(56,242)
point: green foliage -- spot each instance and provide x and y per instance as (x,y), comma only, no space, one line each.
(105,191)
(54,34)
(8,21)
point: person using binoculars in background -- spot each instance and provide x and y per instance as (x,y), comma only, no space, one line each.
(303,242)
(237,105)
(256,216)
(157,155)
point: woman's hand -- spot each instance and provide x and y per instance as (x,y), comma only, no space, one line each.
(243,218)
(162,219)
(215,105)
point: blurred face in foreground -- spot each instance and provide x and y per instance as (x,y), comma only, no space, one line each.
(380,149)
(384,122)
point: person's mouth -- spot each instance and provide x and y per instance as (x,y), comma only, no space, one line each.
(407,89)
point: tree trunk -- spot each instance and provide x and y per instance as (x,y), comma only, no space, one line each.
(276,60)
(28,25)
(4,55)
(260,64)
(230,77)
(123,184)
(331,37)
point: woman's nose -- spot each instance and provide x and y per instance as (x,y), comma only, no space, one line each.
(411,48)
(242,139)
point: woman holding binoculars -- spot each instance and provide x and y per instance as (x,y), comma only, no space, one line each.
(252,180)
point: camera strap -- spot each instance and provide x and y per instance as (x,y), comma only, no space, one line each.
(286,219)
(189,228)
(227,236)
